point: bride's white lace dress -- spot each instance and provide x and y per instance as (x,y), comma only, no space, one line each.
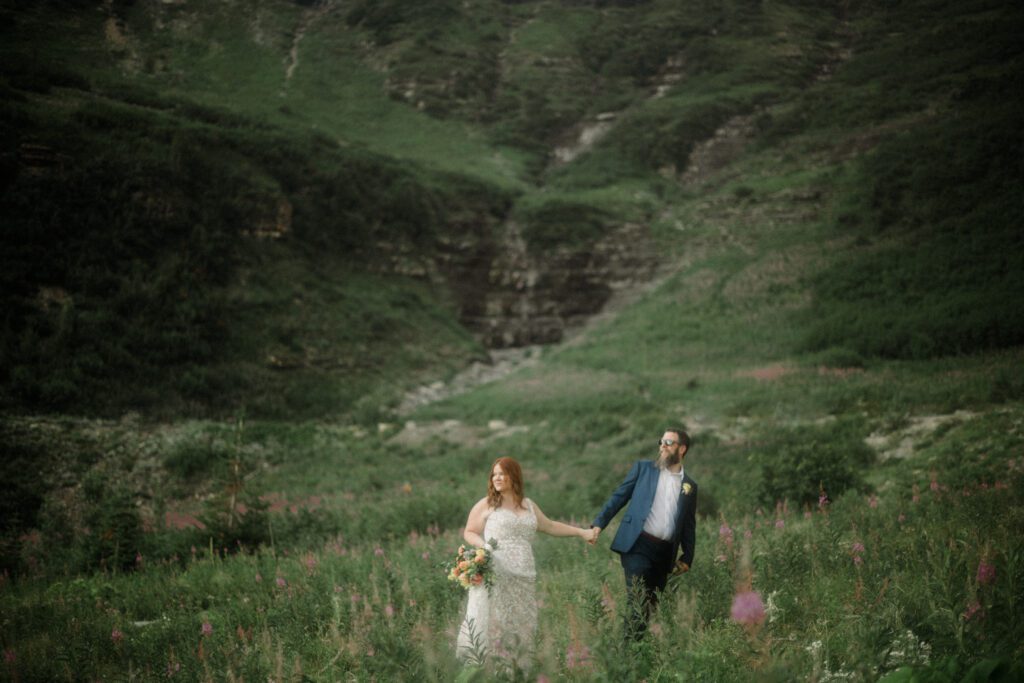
(502,620)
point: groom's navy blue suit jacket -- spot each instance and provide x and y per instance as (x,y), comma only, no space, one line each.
(638,489)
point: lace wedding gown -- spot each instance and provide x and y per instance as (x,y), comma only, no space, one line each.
(502,620)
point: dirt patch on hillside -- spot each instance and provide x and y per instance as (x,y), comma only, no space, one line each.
(769,373)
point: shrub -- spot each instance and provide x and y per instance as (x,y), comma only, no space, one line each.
(796,464)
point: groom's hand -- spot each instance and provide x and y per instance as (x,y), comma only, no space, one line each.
(595,531)
(680,568)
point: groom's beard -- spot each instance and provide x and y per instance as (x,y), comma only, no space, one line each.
(670,459)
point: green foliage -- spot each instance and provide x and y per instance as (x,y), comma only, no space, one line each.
(798,464)
(936,283)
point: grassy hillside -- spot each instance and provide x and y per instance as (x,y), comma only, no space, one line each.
(838,329)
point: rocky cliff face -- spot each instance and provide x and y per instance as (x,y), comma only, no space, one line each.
(509,296)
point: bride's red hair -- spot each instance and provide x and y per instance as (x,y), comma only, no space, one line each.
(514,474)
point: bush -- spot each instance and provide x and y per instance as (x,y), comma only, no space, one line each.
(797,464)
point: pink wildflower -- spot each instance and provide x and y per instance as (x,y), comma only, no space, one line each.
(259,578)
(425,556)
(747,608)
(858,547)
(858,560)
(873,502)
(986,573)
(389,610)
(807,514)
(281,582)
(934,485)
(725,531)
(116,636)
(973,610)
(207,629)
(577,655)
(822,500)
(780,524)
(902,518)
(379,552)
(748,534)
(541,678)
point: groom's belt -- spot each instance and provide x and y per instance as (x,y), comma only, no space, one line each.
(655,539)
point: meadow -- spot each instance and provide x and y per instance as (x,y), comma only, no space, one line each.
(206,476)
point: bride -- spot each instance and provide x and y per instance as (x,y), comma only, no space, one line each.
(502,620)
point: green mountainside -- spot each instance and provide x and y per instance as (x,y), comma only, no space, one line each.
(198,197)
(236,234)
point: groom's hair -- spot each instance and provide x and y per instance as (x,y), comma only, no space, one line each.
(684,438)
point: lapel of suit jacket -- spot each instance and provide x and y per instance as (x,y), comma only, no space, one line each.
(684,499)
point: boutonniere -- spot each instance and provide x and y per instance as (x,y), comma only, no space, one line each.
(686,489)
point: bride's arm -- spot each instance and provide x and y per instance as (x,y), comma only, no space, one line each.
(553,528)
(474,533)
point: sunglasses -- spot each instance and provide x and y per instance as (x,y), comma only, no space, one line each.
(668,442)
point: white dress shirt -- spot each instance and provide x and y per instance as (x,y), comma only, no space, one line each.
(661,520)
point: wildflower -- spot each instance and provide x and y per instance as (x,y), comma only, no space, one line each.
(310,563)
(902,518)
(116,636)
(138,559)
(207,628)
(973,610)
(725,531)
(355,598)
(748,534)
(858,560)
(389,610)
(858,547)
(986,573)
(541,678)
(747,608)
(577,655)
(822,500)
(780,524)
(378,551)
(916,497)
(173,668)
(259,578)
(807,514)
(425,556)
(281,582)
(720,558)
(873,502)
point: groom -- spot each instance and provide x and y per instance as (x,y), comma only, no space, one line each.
(659,523)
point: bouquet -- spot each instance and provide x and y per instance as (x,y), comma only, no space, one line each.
(472,566)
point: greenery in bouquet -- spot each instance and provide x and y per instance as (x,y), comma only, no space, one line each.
(472,566)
